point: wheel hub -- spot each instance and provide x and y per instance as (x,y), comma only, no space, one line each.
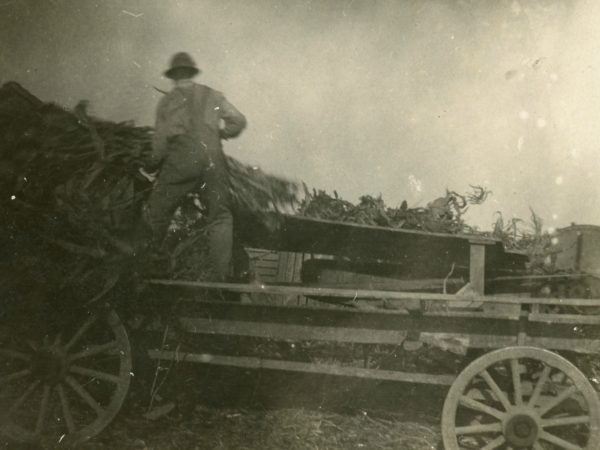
(521,430)
(49,365)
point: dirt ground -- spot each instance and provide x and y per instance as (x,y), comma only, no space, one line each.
(294,428)
(213,408)
(198,407)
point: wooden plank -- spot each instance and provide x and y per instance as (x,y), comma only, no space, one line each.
(261,253)
(585,346)
(575,319)
(270,257)
(267,269)
(441,340)
(369,294)
(290,268)
(549,277)
(267,262)
(335,315)
(475,315)
(297,273)
(477,267)
(453,341)
(282,268)
(373,319)
(365,312)
(345,279)
(306,235)
(292,332)
(325,224)
(248,362)
(290,265)
(456,342)
(264,263)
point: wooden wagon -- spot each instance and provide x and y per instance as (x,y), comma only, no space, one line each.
(520,337)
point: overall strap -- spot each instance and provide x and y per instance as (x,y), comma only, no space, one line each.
(197,110)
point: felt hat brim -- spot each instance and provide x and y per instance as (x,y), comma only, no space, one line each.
(190,70)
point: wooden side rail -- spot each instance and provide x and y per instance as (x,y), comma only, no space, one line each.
(248,362)
(365,294)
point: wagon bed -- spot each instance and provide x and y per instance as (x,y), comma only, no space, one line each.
(507,391)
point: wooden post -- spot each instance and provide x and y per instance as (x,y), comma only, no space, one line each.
(477,267)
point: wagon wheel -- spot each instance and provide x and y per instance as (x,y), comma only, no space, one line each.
(62,384)
(521,398)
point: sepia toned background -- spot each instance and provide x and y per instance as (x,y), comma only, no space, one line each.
(403,99)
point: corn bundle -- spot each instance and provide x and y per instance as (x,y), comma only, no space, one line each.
(71,195)
(441,215)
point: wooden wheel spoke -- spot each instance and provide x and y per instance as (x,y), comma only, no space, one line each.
(479,428)
(85,395)
(538,446)
(66,409)
(23,397)
(557,400)
(564,421)
(566,445)
(96,374)
(516,378)
(94,350)
(14,354)
(478,406)
(495,443)
(500,396)
(14,376)
(539,386)
(81,331)
(41,419)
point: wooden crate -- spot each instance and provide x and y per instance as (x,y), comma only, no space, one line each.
(277,267)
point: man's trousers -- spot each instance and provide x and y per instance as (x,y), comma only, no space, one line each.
(173,185)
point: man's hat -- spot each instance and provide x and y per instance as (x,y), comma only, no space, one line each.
(182,63)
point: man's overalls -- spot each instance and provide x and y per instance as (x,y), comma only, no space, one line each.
(188,141)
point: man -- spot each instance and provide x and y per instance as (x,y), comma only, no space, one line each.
(191,120)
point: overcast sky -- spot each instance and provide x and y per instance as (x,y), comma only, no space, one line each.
(399,98)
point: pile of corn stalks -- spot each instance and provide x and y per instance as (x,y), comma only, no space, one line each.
(71,196)
(519,235)
(444,214)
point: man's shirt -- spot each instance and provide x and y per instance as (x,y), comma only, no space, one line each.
(174,115)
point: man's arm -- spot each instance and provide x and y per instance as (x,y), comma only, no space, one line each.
(234,121)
